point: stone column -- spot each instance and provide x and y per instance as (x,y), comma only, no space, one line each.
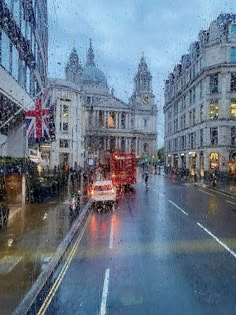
(117,120)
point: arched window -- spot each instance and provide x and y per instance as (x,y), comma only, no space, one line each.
(145,123)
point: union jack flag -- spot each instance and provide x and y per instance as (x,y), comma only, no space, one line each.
(39,120)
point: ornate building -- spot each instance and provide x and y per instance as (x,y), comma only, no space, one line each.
(111,124)
(200,103)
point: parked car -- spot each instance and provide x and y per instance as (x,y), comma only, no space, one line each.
(103,195)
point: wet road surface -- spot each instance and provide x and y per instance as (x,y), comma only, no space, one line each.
(27,245)
(169,250)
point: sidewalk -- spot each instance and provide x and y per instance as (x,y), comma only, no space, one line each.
(28,244)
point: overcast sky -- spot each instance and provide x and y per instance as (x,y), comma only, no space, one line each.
(122,29)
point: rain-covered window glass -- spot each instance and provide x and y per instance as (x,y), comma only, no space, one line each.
(5,49)
(233,54)
(16,11)
(233,82)
(214,110)
(15,62)
(201,138)
(233,136)
(233,108)
(214,135)
(190,97)
(214,83)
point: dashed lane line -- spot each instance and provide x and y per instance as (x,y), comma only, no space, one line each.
(232,203)
(111,236)
(205,192)
(221,193)
(174,204)
(103,308)
(217,239)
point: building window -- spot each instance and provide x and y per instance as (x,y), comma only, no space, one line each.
(5,51)
(65,110)
(233,82)
(111,120)
(233,31)
(64,143)
(190,118)
(201,138)
(176,144)
(194,95)
(145,123)
(233,54)
(214,110)
(201,112)
(88,100)
(65,127)
(214,135)
(190,97)
(16,11)
(183,139)
(15,64)
(122,144)
(233,108)
(201,90)
(233,136)
(194,116)
(214,83)
(192,140)
(101,119)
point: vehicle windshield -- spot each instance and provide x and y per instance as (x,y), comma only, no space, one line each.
(118,157)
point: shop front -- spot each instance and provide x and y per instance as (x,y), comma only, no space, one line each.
(214,160)
(192,163)
(232,164)
(201,164)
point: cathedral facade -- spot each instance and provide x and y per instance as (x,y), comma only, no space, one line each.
(108,123)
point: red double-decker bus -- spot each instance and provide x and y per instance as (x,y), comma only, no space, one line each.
(123,168)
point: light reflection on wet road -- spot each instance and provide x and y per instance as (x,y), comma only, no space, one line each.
(161,259)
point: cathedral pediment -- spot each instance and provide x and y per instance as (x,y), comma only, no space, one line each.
(112,102)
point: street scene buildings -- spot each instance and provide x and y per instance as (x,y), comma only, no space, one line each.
(200,103)
(96,217)
(102,122)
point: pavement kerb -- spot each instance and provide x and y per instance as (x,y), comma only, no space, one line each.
(31,297)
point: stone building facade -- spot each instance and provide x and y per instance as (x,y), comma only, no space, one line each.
(110,124)
(200,102)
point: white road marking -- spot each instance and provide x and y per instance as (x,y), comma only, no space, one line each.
(111,236)
(174,204)
(217,239)
(232,203)
(103,308)
(205,192)
(8,263)
(161,195)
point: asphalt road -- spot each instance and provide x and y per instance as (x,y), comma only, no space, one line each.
(169,250)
